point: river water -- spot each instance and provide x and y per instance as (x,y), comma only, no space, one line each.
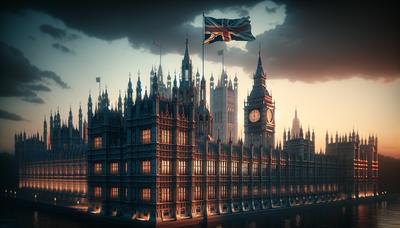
(368,214)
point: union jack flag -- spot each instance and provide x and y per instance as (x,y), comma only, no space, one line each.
(227,30)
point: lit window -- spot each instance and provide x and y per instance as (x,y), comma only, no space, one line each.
(98,142)
(146,194)
(114,192)
(165,136)
(223,192)
(165,167)
(165,195)
(197,167)
(114,168)
(211,167)
(182,167)
(245,170)
(146,136)
(197,192)
(126,168)
(181,194)
(182,138)
(255,169)
(234,168)
(97,192)
(146,167)
(222,167)
(98,168)
(211,192)
(234,191)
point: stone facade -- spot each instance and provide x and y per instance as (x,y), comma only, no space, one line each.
(156,157)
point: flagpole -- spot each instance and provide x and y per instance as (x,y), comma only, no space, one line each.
(202,41)
(223,63)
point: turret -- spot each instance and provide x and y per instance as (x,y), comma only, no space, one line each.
(89,110)
(130,90)
(138,89)
(326,138)
(175,89)
(235,84)
(186,68)
(45,133)
(70,125)
(212,83)
(80,122)
(169,82)
(203,91)
(119,102)
(284,136)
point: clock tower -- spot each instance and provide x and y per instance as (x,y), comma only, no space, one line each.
(259,112)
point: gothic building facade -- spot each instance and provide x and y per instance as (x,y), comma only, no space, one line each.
(159,157)
(53,168)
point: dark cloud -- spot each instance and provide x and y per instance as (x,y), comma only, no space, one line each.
(19,78)
(328,41)
(318,41)
(10,116)
(57,33)
(62,48)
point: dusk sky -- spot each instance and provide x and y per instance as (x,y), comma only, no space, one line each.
(338,63)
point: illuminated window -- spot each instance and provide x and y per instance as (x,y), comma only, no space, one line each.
(197,192)
(234,191)
(98,168)
(182,194)
(222,168)
(223,192)
(255,169)
(182,138)
(146,196)
(197,167)
(114,192)
(146,136)
(126,168)
(211,167)
(234,168)
(165,136)
(146,167)
(98,142)
(211,192)
(182,167)
(114,167)
(165,167)
(165,195)
(97,192)
(245,170)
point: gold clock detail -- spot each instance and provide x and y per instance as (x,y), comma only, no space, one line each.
(270,116)
(254,115)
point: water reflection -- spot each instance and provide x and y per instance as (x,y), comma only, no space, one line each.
(380,214)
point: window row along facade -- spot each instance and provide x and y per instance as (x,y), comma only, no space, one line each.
(157,158)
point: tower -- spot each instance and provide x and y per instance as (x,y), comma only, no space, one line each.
(259,112)
(45,133)
(295,126)
(224,108)
(80,123)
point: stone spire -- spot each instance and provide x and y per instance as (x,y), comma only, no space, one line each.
(295,126)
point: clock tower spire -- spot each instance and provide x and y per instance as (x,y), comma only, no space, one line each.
(259,111)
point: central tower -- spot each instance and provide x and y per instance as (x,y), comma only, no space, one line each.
(259,112)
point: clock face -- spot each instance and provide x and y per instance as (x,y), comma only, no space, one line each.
(254,115)
(270,116)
